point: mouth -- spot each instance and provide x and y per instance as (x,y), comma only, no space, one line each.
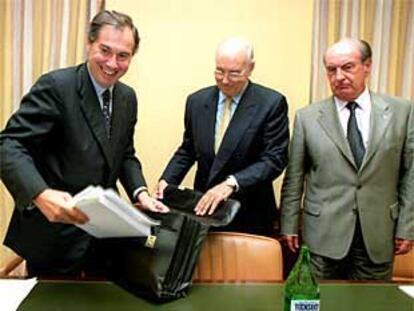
(343,87)
(109,72)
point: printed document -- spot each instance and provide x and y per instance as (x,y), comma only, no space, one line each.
(110,216)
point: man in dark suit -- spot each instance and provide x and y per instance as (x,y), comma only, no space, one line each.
(74,128)
(351,166)
(237,132)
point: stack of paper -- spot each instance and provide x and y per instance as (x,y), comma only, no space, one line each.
(110,216)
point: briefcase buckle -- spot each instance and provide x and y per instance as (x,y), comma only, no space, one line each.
(150,242)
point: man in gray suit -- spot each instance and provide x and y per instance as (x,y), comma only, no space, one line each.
(74,128)
(351,167)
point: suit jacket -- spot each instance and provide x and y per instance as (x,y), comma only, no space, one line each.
(254,150)
(322,174)
(57,139)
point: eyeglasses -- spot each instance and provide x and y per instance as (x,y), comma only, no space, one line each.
(231,75)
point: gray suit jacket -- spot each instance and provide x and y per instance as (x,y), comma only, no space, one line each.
(322,178)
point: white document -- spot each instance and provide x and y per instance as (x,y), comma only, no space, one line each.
(110,216)
(13,292)
(408,289)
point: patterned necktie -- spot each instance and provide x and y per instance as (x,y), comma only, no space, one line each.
(354,135)
(225,120)
(106,99)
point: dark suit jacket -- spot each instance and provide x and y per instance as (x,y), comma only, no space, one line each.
(57,139)
(254,150)
(323,178)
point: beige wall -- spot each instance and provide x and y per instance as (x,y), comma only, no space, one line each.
(176,57)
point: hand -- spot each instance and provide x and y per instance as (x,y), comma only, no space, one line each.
(402,246)
(292,241)
(212,198)
(145,202)
(159,189)
(57,206)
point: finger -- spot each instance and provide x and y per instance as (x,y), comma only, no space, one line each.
(202,204)
(162,208)
(66,196)
(296,242)
(159,193)
(290,245)
(213,206)
(76,216)
(293,244)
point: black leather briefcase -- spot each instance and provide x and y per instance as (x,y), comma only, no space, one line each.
(160,267)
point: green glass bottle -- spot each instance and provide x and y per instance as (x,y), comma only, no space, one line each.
(301,288)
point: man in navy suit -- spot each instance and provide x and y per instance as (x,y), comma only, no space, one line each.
(239,159)
(74,128)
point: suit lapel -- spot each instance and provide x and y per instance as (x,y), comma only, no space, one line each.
(89,104)
(239,123)
(379,120)
(206,128)
(118,115)
(329,121)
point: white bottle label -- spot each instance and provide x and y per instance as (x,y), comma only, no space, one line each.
(304,305)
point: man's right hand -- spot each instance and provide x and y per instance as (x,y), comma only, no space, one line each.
(159,189)
(57,206)
(292,241)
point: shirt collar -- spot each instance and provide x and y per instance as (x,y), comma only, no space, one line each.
(363,101)
(236,98)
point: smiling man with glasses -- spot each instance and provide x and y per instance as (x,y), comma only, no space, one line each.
(237,133)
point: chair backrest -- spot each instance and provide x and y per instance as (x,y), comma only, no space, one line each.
(239,257)
(404,267)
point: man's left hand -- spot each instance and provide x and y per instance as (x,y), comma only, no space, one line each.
(402,246)
(212,198)
(146,202)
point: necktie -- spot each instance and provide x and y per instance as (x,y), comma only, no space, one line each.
(106,99)
(354,135)
(225,120)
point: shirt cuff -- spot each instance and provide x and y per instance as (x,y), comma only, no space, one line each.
(138,191)
(234,182)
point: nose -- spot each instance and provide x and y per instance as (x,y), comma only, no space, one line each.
(339,75)
(111,61)
(225,79)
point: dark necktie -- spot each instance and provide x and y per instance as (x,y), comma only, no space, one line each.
(354,135)
(106,99)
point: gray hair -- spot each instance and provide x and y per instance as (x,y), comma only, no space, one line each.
(234,45)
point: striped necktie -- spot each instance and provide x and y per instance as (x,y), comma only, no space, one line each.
(106,99)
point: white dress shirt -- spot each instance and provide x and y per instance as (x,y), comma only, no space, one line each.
(362,114)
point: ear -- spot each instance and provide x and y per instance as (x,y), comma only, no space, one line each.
(368,66)
(251,67)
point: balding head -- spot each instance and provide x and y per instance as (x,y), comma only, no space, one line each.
(235,46)
(234,64)
(348,66)
(349,45)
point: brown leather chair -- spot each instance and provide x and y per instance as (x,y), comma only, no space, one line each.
(239,257)
(403,270)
